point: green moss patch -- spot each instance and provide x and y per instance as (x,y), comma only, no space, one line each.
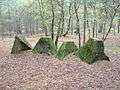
(92,51)
(65,49)
(20,44)
(45,45)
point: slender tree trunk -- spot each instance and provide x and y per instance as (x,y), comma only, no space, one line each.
(101,28)
(78,27)
(114,27)
(85,13)
(69,21)
(58,32)
(31,33)
(88,27)
(2,31)
(111,23)
(63,22)
(53,18)
(72,31)
(93,34)
(94,21)
(96,30)
(68,27)
(37,27)
(42,16)
(9,17)
(104,28)
(62,15)
(118,26)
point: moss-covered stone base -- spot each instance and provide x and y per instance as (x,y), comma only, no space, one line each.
(92,51)
(45,45)
(20,44)
(65,49)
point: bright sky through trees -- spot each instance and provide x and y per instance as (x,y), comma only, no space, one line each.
(25,2)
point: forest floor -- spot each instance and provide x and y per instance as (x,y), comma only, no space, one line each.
(27,71)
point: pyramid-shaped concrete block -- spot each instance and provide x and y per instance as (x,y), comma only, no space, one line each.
(65,49)
(92,51)
(20,44)
(45,45)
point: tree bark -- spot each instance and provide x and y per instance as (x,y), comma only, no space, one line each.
(78,26)
(69,21)
(62,15)
(85,13)
(58,32)
(111,23)
(53,18)
(88,27)
(42,16)
(118,26)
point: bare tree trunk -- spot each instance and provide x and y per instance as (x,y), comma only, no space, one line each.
(30,29)
(69,21)
(62,15)
(114,27)
(111,23)
(96,30)
(88,27)
(53,17)
(2,26)
(42,16)
(104,28)
(118,26)
(58,32)
(18,28)
(85,13)
(63,22)
(9,17)
(37,27)
(93,34)
(72,27)
(68,27)
(2,32)
(78,26)
(94,21)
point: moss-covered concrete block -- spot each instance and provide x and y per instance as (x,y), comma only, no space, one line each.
(45,45)
(92,51)
(65,49)
(20,44)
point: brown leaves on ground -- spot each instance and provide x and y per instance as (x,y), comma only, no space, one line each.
(27,71)
(42,72)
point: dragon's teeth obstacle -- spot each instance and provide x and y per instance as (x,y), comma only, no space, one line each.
(65,49)
(92,51)
(45,45)
(20,44)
